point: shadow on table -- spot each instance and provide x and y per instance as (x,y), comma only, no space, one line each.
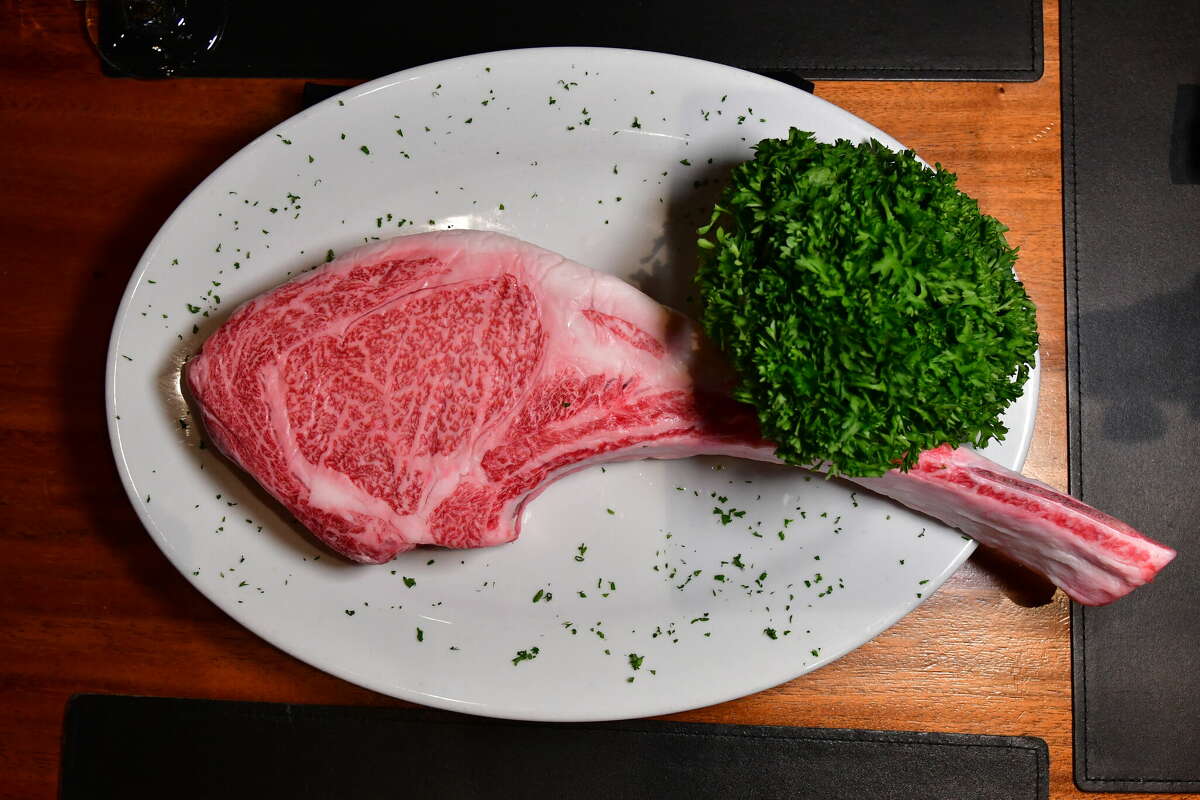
(1019,584)
(1150,379)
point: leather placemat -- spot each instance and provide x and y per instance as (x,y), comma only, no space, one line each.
(117,746)
(898,40)
(1131,157)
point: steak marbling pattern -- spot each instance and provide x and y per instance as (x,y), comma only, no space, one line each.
(421,390)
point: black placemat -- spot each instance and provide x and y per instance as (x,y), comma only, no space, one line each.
(1131,156)
(118,746)
(903,39)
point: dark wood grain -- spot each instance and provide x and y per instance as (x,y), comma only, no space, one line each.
(92,166)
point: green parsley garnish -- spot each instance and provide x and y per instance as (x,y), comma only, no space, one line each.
(525,655)
(869,307)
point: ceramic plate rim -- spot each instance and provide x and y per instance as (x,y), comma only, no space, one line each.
(311,656)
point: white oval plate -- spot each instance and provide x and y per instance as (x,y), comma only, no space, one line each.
(663,585)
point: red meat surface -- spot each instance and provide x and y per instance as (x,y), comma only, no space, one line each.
(423,389)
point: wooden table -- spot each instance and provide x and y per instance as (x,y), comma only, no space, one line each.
(92,167)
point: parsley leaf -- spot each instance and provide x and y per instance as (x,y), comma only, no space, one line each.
(525,655)
(869,307)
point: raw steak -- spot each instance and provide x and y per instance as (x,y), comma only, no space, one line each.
(423,389)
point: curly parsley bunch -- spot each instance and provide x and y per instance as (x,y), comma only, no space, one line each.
(869,307)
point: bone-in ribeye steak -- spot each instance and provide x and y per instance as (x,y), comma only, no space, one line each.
(422,390)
